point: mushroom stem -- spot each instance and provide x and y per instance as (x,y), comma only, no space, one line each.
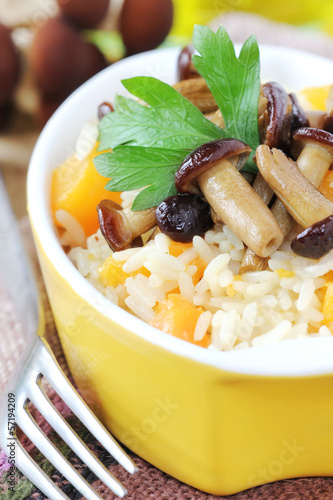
(216,118)
(300,198)
(240,207)
(314,162)
(121,227)
(198,93)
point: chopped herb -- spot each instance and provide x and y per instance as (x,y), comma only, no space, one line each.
(151,141)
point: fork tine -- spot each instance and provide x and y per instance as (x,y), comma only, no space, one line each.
(61,384)
(36,475)
(37,436)
(54,418)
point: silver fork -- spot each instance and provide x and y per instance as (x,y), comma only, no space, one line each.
(25,386)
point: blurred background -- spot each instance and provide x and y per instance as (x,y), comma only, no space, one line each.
(50,47)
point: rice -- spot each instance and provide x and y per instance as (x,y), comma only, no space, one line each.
(257,308)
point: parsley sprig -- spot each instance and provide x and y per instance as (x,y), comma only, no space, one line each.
(150,141)
(234,82)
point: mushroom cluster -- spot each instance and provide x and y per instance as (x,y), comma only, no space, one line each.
(292,159)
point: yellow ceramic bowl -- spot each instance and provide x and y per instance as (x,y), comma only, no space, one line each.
(220,421)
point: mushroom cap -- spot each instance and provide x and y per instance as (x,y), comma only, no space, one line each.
(206,156)
(279,115)
(185,67)
(309,135)
(298,116)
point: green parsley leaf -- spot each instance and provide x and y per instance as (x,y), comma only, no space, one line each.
(151,141)
(234,82)
(170,121)
(133,167)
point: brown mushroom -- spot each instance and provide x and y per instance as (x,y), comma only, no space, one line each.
(315,241)
(216,117)
(299,196)
(275,121)
(185,68)
(313,161)
(121,227)
(198,93)
(212,169)
(298,116)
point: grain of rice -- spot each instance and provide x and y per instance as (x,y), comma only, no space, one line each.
(147,314)
(284,299)
(210,236)
(111,294)
(166,267)
(202,286)
(71,225)
(139,289)
(219,236)
(248,321)
(237,254)
(228,329)
(290,283)
(186,286)
(216,266)
(312,314)
(124,255)
(241,345)
(279,332)
(188,255)
(223,304)
(225,246)
(324,331)
(258,289)
(225,278)
(203,249)
(162,242)
(156,281)
(305,295)
(217,318)
(300,330)
(202,326)
(232,238)
(191,270)
(201,299)
(135,262)
(240,286)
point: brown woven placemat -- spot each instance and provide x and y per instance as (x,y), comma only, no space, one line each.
(150,483)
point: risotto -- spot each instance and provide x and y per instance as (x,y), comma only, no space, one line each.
(231,282)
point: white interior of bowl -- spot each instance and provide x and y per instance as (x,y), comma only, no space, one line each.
(295,70)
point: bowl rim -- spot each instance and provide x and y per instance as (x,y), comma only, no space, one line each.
(290,358)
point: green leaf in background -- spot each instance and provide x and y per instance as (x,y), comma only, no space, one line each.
(134,167)
(234,82)
(170,120)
